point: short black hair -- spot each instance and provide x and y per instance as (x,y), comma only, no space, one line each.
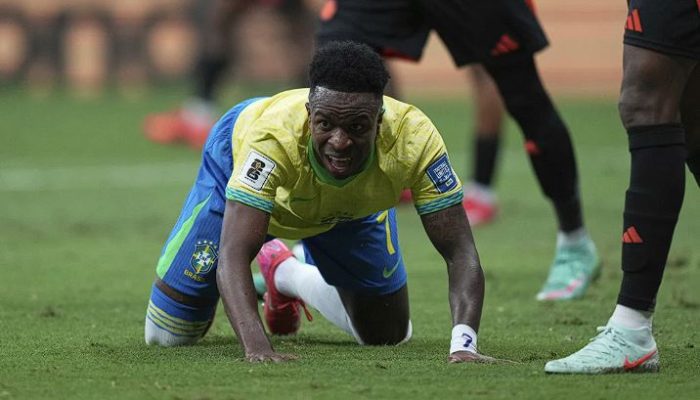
(348,66)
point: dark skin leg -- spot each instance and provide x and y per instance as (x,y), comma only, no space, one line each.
(216,47)
(379,320)
(652,87)
(690,115)
(217,39)
(488,121)
(300,23)
(488,103)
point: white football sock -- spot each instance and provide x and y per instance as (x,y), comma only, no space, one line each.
(199,111)
(631,318)
(294,278)
(481,192)
(572,238)
(299,253)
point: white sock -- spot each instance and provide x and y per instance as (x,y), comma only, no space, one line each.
(298,251)
(631,318)
(199,111)
(294,278)
(155,335)
(481,192)
(572,238)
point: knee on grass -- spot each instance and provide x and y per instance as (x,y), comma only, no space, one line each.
(376,338)
(156,335)
(169,323)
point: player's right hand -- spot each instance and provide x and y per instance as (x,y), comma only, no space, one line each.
(271,356)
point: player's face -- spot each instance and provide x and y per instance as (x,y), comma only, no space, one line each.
(343,129)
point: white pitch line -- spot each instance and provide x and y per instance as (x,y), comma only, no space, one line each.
(96,177)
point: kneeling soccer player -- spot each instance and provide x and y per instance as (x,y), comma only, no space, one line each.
(325,165)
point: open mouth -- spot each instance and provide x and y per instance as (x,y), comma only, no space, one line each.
(339,165)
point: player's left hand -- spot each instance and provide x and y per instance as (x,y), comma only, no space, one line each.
(468,356)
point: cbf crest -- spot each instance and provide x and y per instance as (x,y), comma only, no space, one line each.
(204,256)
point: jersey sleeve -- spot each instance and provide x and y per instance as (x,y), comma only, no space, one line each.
(259,168)
(435,184)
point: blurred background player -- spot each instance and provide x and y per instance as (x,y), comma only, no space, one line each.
(503,36)
(660,109)
(191,122)
(479,196)
(480,201)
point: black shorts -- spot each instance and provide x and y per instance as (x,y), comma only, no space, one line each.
(483,31)
(669,27)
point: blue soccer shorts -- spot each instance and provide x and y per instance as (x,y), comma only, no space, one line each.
(361,255)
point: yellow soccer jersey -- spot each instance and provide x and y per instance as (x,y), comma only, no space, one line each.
(275,169)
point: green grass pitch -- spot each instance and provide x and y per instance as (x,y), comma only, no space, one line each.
(86,203)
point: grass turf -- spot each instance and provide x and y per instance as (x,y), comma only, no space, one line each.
(87,204)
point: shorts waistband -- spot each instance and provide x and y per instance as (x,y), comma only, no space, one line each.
(181,297)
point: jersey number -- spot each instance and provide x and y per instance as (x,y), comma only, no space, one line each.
(384,217)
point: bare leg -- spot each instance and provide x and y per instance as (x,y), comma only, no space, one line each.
(378,320)
(299,20)
(480,200)
(690,115)
(489,106)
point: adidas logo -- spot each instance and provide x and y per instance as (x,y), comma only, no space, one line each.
(633,22)
(505,45)
(631,236)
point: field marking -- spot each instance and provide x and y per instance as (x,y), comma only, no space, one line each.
(96,177)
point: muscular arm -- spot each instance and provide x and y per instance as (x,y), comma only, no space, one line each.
(243,234)
(451,235)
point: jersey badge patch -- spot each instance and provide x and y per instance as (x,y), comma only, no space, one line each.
(256,170)
(441,174)
(203,259)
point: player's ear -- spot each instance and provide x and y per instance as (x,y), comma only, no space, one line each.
(381,115)
(308,108)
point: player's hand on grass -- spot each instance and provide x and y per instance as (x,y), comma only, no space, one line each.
(271,356)
(470,357)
